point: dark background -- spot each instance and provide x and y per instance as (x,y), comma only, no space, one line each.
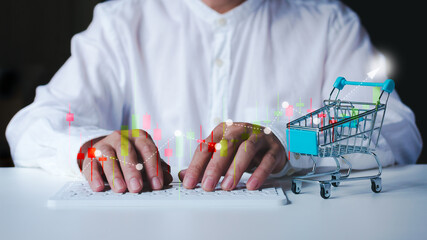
(35,41)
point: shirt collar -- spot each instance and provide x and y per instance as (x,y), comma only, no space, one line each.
(231,17)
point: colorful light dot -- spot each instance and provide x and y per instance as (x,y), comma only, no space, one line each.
(316,120)
(98,153)
(285,104)
(138,166)
(229,122)
(178,133)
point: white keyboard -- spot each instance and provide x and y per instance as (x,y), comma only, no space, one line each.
(79,194)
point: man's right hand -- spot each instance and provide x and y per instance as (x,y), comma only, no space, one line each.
(122,172)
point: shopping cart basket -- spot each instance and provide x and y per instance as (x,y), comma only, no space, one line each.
(338,129)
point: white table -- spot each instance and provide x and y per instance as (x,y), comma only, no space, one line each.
(352,212)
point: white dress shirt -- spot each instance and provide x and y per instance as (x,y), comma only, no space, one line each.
(187,66)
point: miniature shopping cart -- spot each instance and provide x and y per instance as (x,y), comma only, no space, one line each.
(338,129)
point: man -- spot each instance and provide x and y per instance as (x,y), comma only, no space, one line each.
(218,68)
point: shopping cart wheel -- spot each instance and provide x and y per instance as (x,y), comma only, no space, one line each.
(296,186)
(376,185)
(325,190)
(335,177)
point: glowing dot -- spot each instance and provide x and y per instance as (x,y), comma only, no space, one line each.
(285,104)
(316,120)
(139,166)
(218,146)
(267,130)
(98,153)
(229,122)
(178,133)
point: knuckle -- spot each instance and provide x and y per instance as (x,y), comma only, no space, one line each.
(218,130)
(117,146)
(143,135)
(233,131)
(248,146)
(140,140)
(145,144)
(263,172)
(279,151)
(205,148)
(195,169)
(106,150)
(270,157)
(116,134)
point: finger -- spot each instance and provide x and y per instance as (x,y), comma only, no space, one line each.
(167,178)
(128,162)
(233,139)
(151,161)
(93,175)
(165,166)
(267,165)
(244,156)
(219,164)
(181,174)
(200,160)
(112,169)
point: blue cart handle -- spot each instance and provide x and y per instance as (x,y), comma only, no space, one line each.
(386,86)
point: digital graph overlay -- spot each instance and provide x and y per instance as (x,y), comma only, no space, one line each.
(283,112)
(95,155)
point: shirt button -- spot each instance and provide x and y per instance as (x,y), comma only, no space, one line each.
(222,21)
(219,62)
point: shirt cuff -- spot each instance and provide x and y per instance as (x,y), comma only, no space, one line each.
(296,162)
(286,171)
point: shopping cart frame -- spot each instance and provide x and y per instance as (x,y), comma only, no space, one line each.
(307,136)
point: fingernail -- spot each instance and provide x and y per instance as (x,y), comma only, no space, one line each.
(134,184)
(227,183)
(209,183)
(156,183)
(252,183)
(189,181)
(119,184)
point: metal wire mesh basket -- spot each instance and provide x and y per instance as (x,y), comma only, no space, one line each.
(339,128)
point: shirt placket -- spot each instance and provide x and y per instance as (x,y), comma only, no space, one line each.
(220,70)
